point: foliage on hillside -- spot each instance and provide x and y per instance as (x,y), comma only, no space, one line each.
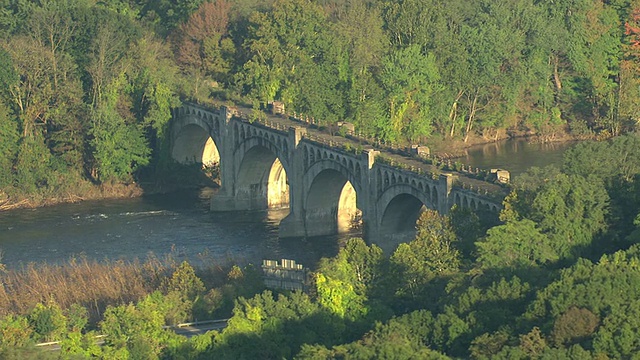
(86,87)
(85,98)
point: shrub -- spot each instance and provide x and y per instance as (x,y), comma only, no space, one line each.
(48,321)
(15,332)
(575,325)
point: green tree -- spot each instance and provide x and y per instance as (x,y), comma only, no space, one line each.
(183,291)
(46,98)
(629,92)
(516,244)
(409,78)
(8,75)
(185,281)
(601,288)
(357,263)
(618,336)
(407,21)
(51,28)
(155,93)
(32,95)
(119,148)
(293,57)
(569,209)
(136,330)
(33,166)
(8,146)
(268,327)
(468,229)
(360,24)
(489,304)
(430,255)
(82,344)
(340,297)
(405,337)
(612,162)
(353,285)
(168,14)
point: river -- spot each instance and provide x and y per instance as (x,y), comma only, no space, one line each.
(515,155)
(181,225)
(177,224)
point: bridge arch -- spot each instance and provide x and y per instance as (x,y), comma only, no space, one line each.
(194,141)
(258,163)
(398,209)
(261,180)
(326,164)
(331,203)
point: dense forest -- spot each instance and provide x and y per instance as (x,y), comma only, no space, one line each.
(87,86)
(557,278)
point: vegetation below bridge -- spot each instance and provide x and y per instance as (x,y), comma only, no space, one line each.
(557,277)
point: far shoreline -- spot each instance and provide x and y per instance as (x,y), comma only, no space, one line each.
(95,192)
(444,149)
(450,150)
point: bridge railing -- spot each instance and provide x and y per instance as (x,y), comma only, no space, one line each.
(360,140)
(481,188)
(430,159)
(341,147)
(262,120)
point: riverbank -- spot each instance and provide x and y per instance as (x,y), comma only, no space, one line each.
(82,192)
(85,191)
(97,192)
(453,149)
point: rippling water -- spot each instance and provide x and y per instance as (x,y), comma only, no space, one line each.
(178,224)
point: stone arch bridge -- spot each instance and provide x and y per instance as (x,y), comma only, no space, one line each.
(327,188)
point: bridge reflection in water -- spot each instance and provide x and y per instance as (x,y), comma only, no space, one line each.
(328,182)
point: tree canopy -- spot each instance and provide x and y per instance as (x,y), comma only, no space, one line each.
(81,77)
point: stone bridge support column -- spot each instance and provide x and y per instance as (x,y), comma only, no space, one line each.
(368,199)
(293,224)
(445,184)
(224,200)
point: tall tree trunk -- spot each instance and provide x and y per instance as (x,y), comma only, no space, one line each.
(556,74)
(453,114)
(54,61)
(472,112)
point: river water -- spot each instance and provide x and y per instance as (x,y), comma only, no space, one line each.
(515,155)
(178,224)
(181,225)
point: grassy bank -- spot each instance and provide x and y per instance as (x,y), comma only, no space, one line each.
(95,285)
(72,189)
(82,192)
